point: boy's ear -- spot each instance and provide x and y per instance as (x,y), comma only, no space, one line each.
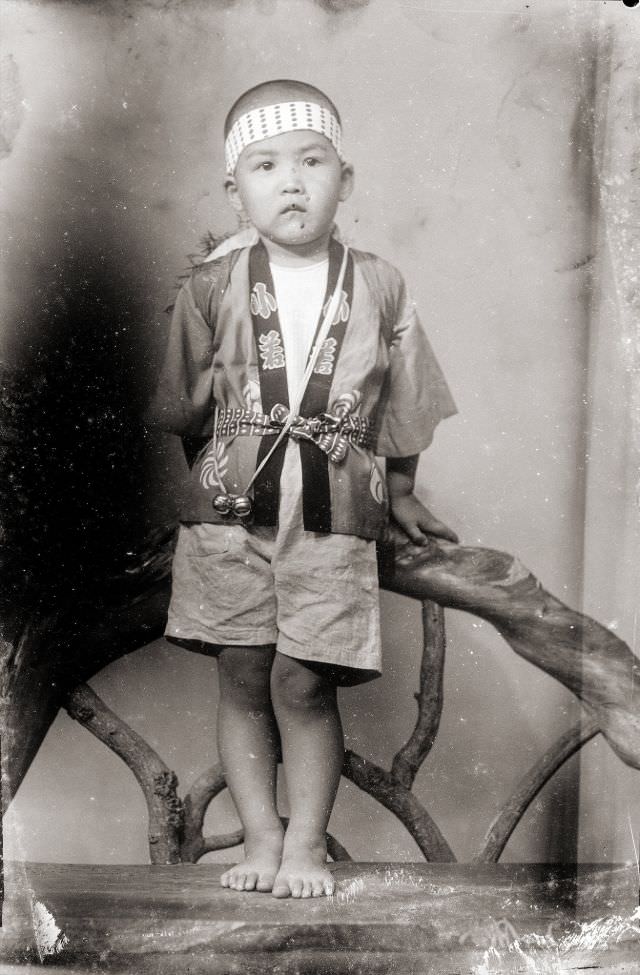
(233,196)
(347,182)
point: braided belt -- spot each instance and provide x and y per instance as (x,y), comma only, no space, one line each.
(332,432)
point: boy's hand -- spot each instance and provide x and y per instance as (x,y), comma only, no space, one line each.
(411,515)
(417,521)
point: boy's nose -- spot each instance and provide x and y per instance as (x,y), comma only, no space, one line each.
(293,182)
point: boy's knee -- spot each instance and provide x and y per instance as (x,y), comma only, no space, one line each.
(293,685)
(245,672)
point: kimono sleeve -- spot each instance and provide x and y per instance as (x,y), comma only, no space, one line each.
(182,402)
(416,396)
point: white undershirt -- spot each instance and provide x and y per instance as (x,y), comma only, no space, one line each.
(299,293)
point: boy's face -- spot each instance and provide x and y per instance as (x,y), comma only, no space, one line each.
(289,187)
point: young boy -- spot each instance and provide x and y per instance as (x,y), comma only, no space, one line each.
(291,363)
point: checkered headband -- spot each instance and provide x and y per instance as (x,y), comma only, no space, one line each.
(269,120)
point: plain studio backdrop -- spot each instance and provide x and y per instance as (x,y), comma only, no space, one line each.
(490,143)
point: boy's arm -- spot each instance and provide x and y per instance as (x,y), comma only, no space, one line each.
(181,403)
(410,514)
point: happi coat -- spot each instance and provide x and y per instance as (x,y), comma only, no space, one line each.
(376,391)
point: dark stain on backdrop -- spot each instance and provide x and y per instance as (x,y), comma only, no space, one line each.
(72,485)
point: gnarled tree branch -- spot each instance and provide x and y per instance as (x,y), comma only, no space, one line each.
(43,661)
(429,697)
(205,788)
(402,803)
(157,781)
(529,786)
(595,664)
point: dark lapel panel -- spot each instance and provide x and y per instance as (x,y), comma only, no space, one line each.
(273,380)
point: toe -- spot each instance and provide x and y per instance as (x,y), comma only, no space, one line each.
(317,888)
(296,887)
(265,884)
(329,886)
(238,881)
(250,881)
(281,888)
(307,889)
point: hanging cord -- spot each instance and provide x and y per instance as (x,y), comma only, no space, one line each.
(293,412)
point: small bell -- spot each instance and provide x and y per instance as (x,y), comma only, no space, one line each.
(242,506)
(222,503)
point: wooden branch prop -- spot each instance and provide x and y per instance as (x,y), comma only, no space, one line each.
(407,762)
(590,660)
(530,785)
(45,659)
(30,688)
(175,825)
(45,653)
(179,824)
(402,803)
(205,788)
(221,841)
(158,782)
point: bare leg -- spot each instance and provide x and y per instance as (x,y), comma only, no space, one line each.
(248,745)
(312,753)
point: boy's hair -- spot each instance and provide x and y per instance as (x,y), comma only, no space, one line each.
(280,89)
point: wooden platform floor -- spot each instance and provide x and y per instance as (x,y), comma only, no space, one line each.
(401,919)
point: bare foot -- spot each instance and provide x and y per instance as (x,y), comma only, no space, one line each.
(259,868)
(303,872)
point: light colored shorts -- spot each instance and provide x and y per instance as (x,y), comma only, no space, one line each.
(313,595)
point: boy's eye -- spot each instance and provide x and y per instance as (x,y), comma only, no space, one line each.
(312,161)
(266,165)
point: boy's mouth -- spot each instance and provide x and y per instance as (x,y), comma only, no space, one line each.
(293,208)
